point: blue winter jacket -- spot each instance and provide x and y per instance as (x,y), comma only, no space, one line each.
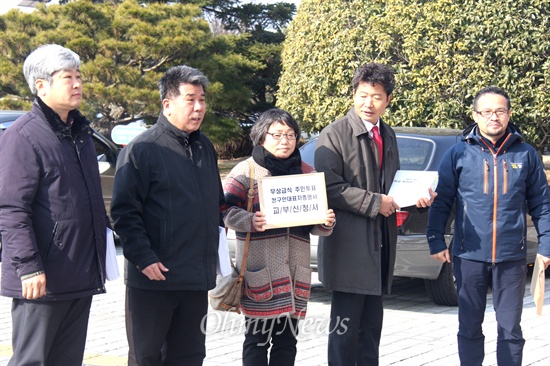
(492,190)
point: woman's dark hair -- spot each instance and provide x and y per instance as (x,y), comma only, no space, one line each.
(266,119)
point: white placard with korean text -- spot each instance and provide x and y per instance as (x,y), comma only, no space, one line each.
(410,185)
(293,200)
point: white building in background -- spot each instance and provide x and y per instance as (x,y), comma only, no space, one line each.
(26,6)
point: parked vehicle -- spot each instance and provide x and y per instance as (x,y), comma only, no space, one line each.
(419,149)
(107,153)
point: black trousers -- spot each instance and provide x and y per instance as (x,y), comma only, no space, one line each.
(355,329)
(507,280)
(49,333)
(166,327)
(279,334)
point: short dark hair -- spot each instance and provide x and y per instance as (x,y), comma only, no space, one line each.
(492,90)
(169,84)
(374,73)
(266,119)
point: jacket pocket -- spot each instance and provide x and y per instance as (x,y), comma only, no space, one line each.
(523,240)
(163,244)
(51,241)
(302,282)
(258,285)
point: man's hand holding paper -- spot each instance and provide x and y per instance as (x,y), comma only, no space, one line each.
(426,202)
(387,206)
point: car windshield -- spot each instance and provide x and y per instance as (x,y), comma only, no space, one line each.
(414,153)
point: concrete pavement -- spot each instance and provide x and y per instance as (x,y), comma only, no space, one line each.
(416,331)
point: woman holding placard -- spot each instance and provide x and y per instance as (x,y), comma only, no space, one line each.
(278,273)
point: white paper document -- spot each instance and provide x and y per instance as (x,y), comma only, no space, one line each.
(537,284)
(293,200)
(111,265)
(410,185)
(224,262)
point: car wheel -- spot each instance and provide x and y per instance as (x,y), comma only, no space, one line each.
(442,290)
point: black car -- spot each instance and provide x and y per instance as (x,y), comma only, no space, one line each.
(421,149)
(107,153)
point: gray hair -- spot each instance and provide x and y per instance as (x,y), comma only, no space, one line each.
(169,84)
(45,61)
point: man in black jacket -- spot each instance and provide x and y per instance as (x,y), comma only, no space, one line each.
(52,215)
(166,209)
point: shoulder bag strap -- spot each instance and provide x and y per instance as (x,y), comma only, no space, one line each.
(249,208)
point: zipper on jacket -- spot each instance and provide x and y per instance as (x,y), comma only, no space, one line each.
(495,202)
(464,216)
(187,147)
(100,263)
(523,230)
(495,195)
(486,178)
(505,177)
(50,243)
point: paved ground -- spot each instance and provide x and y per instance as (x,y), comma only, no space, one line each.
(416,332)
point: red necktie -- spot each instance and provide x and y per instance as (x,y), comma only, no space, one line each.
(379,145)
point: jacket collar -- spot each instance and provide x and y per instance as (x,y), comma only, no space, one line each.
(60,128)
(172,131)
(358,126)
(472,135)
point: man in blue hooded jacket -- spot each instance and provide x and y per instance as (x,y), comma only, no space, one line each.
(494,178)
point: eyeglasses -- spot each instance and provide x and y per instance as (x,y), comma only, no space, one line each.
(279,136)
(488,114)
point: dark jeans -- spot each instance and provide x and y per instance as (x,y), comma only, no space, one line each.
(261,334)
(507,280)
(166,327)
(355,329)
(49,333)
